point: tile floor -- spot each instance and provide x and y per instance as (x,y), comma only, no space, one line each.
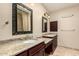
(62,51)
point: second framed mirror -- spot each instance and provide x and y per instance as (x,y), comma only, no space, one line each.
(44,24)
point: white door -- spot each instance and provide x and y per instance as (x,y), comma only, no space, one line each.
(68,31)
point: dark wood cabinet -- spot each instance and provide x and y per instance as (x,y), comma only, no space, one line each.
(54,43)
(40,53)
(53,26)
(51,46)
(48,48)
(38,50)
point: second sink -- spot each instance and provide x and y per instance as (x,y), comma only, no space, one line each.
(30,41)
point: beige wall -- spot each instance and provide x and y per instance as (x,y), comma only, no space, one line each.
(67,38)
(6,15)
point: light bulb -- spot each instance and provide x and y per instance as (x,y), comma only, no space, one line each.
(48,16)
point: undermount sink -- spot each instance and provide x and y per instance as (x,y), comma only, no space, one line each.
(50,35)
(30,41)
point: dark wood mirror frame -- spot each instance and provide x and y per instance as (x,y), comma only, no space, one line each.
(14,19)
(43,18)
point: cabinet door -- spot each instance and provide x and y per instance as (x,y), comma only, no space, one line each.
(54,43)
(53,26)
(40,53)
(37,50)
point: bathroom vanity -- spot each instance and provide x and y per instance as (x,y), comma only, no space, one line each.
(44,48)
(52,44)
(37,50)
(22,48)
(28,47)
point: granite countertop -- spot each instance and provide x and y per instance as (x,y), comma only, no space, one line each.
(50,35)
(14,47)
(46,40)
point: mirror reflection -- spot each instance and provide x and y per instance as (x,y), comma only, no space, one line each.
(44,24)
(22,19)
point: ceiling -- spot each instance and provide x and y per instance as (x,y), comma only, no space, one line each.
(51,7)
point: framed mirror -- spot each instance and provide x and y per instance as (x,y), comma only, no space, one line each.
(21,19)
(44,24)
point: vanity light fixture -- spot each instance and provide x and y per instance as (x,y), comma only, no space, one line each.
(49,17)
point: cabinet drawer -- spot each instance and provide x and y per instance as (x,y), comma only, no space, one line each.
(35,49)
(40,53)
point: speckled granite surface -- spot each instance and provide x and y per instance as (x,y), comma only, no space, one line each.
(10,48)
(50,35)
(46,40)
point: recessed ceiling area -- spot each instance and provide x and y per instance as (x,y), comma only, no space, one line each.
(51,7)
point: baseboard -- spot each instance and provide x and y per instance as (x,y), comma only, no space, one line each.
(68,47)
